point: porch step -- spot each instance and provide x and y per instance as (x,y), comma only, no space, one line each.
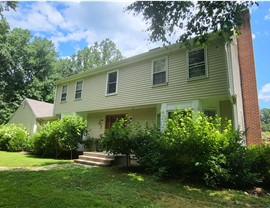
(95,158)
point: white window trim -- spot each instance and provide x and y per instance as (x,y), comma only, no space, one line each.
(166,70)
(76,89)
(62,93)
(205,60)
(107,79)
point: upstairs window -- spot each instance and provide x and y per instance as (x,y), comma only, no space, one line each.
(112,79)
(78,92)
(197,64)
(64,93)
(160,70)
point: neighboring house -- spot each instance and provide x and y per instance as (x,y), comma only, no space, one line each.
(32,113)
(219,79)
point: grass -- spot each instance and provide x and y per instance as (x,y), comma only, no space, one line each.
(80,186)
(14,159)
(266,137)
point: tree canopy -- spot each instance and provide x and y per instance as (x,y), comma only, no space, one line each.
(188,19)
(29,66)
(26,68)
(265,119)
(99,54)
(6,6)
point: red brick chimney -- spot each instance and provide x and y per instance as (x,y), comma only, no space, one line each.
(248,83)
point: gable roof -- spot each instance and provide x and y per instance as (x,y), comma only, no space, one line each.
(150,54)
(39,108)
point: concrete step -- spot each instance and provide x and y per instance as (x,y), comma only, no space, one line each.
(95,159)
(85,162)
(99,154)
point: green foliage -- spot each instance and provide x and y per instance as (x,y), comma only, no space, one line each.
(121,138)
(97,55)
(198,19)
(265,119)
(26,69)
(13,138)
(192,146)
(58,136)
(29,66)
(261,162)
(185,146)
(6,6)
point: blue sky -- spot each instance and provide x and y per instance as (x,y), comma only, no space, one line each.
(75,25)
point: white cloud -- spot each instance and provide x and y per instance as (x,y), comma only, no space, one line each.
(264,93)
(69,22)
(267,17)
(253,36)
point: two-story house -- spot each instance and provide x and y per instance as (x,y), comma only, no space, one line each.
(219,79)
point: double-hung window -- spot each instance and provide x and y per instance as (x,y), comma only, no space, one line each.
(64,93)
(197,65)
(112,79)
(78,92)
(160,71)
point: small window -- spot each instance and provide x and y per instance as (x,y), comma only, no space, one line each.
(78,92)
(64,93)
(160,71)
(197,64)
(112,83)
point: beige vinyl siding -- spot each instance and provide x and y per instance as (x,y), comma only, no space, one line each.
(143,116)
(25,117)
(135,85)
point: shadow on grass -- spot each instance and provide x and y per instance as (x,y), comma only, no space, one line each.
(46,162)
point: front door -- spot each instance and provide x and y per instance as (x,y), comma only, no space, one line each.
(110,119)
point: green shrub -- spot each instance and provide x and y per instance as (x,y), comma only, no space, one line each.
(193,146)
(148,148)
(58,136)
(13,138)
(187,143)
(261,162)
(121,138)
(46,142)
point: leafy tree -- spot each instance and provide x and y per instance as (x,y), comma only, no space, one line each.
(26,68)
(95,56)
(167,18)
(265,119)
(7,5)
(121,138)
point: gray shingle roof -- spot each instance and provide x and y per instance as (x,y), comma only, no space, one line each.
(40,109)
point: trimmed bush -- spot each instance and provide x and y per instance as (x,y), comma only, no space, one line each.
(13,138)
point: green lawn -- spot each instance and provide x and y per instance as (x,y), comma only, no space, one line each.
(14,159)
(80,186)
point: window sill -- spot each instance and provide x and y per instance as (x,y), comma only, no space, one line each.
(196,78)
(160,85)
(111,94)
(77,99)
